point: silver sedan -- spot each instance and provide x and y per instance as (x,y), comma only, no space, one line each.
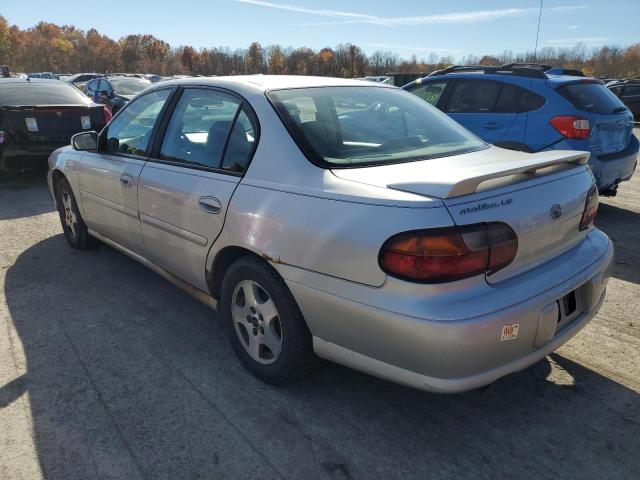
(346,220)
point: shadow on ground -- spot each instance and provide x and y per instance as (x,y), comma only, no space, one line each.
(623,227)
(130,378)
(33,183)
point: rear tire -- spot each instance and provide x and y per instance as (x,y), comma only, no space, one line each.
(73,226)
(264,324)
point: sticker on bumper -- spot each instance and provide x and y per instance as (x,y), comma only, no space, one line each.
(510,332)
(32,124)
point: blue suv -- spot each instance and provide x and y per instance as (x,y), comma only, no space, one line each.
(522,107)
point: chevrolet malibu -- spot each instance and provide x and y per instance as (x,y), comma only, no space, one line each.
(344,220)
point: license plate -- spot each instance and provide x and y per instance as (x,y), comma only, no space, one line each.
(32,125)
(86,122)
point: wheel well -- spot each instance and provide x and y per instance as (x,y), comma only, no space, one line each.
(56,176)
(222,262)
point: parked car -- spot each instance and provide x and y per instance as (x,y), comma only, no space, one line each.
(114,92)
(47,75)
(401,245)
(37,116)
(524,108)
(628,91)
(80,79)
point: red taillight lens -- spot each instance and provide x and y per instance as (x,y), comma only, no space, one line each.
(447,254)
(590,209)
(107,115)
(574,128)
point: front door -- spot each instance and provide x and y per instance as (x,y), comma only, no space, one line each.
(109,177)
(187,184)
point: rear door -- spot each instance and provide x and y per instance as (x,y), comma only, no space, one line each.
(109,177)
(485,107)
(631,98)
(186,186)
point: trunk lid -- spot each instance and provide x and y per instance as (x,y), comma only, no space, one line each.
(611,133)
(52,123)
(540,196)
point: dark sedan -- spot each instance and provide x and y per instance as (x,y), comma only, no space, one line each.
(38,116)
(629,92)
(114,92)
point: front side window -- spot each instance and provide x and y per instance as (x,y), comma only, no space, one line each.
(473,96)
(130,132)
(355,126)
(431,92)
(104,86)
(202,131)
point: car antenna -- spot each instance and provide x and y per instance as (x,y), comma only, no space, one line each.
(535,56)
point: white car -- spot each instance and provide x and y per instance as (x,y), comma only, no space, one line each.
(344,219)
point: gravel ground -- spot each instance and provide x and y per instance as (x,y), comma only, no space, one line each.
(109,371)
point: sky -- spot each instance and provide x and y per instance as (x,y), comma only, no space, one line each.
(405,27)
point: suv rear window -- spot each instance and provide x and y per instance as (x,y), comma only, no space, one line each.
(592,98)
(35,93)
(356,126)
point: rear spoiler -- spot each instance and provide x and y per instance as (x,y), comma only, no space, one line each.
(462,176)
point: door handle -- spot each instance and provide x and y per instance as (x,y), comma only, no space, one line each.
(126,180)
(492,125)
(210,204)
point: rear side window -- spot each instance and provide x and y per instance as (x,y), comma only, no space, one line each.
(592,98)
(36,93)
(473,96)
(431,92)
(209,129)
(631,91)
(529,101)
(507,100)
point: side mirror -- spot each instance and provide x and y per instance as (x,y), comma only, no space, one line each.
(85,141)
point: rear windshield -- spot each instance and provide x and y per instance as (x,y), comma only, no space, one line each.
(35,93)
(355,126)
(129,86)
(592,97)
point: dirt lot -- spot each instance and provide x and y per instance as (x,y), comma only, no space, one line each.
(108,371)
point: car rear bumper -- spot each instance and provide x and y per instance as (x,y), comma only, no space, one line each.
(610,170)
(457,355)
(22,157)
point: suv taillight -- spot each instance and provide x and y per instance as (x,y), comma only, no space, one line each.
(590,208)
(574,128)
(451,253)
(107,115)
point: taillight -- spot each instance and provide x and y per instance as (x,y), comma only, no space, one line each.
(571,127)
(451,253)
(2,136)
(107,115)
(590,208)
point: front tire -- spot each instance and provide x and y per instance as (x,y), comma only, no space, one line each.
(73,226)
(264,324)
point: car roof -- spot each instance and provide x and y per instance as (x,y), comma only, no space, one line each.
(272,82)
(30,80)
(552,79)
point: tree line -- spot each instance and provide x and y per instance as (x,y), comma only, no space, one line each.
(67,49)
